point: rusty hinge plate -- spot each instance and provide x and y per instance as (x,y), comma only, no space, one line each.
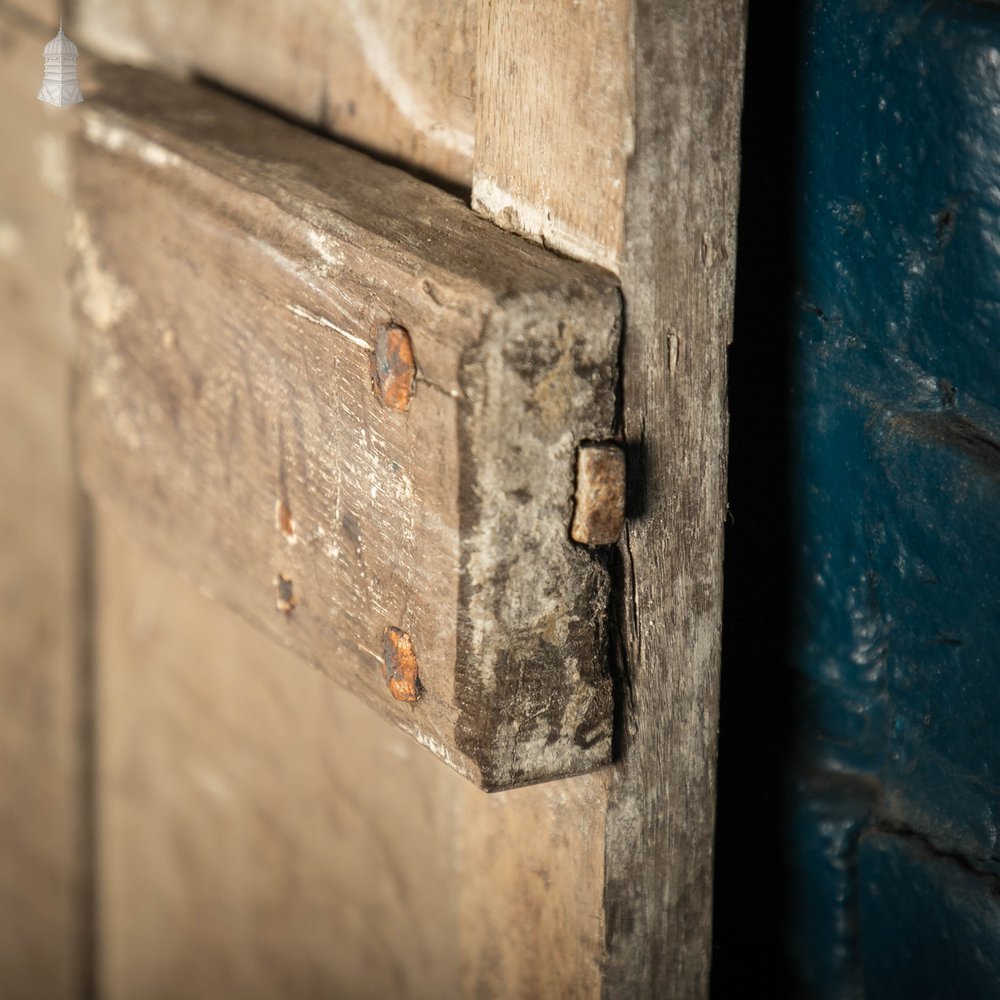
(351,410)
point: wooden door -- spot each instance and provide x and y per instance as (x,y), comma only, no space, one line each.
(231,822)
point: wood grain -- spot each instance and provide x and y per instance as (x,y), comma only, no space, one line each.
(395,78)
(230,296)
(265,835)
(668,228)
(554,123)
(600,883)
(43,793)
(678,272)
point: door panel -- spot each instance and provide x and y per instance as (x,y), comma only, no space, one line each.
(261,833)
(265,834)
(395,78)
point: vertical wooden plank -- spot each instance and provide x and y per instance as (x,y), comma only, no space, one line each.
(554,123)
(671,237)
(264,834)
(678,270)
(530,885)
(43,944)
(641,845)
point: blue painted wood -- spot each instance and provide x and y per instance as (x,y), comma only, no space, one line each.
(929,925)
(895,410)
(889,438)
(828,816)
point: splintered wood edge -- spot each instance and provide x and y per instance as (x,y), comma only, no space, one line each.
(532,691)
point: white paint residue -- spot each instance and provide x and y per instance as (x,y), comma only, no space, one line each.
(117,139)
(394,82)
(321,245)
(321,321)
(103,298)
(536,223)
(439,750)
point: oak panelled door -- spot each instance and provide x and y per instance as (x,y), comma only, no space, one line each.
(379,435)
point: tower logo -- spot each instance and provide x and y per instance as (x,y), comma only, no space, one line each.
(60,86)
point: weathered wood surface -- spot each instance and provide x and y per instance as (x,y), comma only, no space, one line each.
(394,77)
(43,779)
(678,269)
(232,273)
(593,884)
(41,12)
(667,226)
(264,835)
(554,124)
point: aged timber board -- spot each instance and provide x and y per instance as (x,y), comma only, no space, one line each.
(393,77)
(233,274)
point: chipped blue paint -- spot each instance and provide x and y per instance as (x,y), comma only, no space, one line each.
(895,410)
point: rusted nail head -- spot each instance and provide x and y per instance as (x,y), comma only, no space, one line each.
(599,513)
(286,595)
(399,663)
(393,368)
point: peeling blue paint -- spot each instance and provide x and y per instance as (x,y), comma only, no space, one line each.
(891,624)
(896,438)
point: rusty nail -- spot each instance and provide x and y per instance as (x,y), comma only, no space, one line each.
(283,519)
(286,598)
(399,663)
(599,512)
(392,366)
